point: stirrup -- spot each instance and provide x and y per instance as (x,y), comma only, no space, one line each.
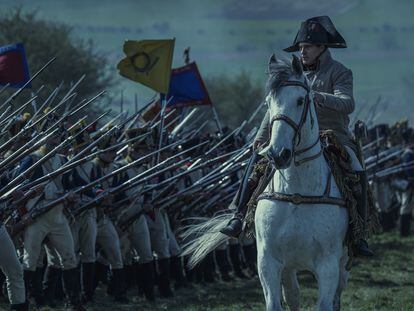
(234,228)
(361,248)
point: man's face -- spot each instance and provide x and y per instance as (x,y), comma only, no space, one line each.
(310,52)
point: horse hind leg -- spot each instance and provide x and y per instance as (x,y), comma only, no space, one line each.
(270,271)
(327,274)
(291,289)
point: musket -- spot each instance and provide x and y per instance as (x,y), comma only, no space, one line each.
(4,88)
(373,143)
(227,164)
(24,150)
(173,200)
(65,167)
(236,130)
(17,111)
(23,175)
(23,131)
(254,114)
(386,158)
(179,126)
(74,87)
(200,186)
(15,94)
(130,183)
(393,170)
(199,129)
(30,217)
(5,113)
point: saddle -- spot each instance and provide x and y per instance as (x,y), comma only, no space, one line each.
(340,164)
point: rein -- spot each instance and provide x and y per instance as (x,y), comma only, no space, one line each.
(298,127)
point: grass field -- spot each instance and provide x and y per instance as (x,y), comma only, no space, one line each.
(385,282)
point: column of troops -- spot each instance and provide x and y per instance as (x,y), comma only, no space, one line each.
(84,208)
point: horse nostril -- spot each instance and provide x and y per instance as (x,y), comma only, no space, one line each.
(285,154)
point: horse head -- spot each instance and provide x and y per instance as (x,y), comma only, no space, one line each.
(291,112)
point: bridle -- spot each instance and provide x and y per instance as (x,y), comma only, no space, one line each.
(298,127)
(297,198)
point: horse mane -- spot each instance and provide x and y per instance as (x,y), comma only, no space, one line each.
(279,70)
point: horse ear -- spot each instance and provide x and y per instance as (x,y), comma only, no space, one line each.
(272,59)
(297,66)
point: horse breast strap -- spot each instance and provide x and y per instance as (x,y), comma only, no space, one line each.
(297,198)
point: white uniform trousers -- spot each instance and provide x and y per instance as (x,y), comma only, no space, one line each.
(55,227)
(107,238)
(12,269)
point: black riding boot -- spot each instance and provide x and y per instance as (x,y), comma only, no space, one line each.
(71,283)
(247,186)
(361,247)
(88,281)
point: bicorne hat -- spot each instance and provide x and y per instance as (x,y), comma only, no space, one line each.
(318,30)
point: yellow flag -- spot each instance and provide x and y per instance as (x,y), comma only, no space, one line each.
(148,62)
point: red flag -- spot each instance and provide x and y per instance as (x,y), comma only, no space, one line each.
(13,65)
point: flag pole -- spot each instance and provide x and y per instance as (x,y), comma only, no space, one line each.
(216,119)
(122,101)
(163,107)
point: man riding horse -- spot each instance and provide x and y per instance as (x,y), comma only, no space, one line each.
(332,86)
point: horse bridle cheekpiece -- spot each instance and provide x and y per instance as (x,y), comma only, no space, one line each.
(298,127)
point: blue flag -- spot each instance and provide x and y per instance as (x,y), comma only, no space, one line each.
(13,65)
(187,88)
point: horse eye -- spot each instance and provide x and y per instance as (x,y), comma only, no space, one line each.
(300,101)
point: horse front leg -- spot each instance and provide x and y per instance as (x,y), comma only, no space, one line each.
(270,272)
(328,275)
(343,281)
(291,289)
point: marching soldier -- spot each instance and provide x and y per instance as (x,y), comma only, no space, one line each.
(107,236)
(51,225)
(11,267)
(84,228)
(332,85)
(136,235)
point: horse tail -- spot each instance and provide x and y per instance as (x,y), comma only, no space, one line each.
(203,236)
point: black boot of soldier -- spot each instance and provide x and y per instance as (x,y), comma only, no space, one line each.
(405,225)
(20,307)
(118,284)
(71,283)
(146,279)
(177,272)
(51,280)
(33,286)
(234,252)
(361,247)
(164,286)
(88,282)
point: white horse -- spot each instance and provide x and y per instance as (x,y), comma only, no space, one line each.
(299,221)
